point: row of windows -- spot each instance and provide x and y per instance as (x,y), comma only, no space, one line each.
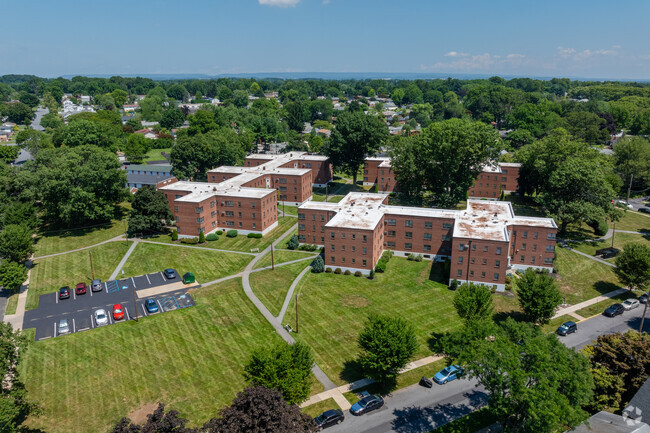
(409,223)
(364,249)
(333,260)
(409,235)
(486,248)
(471,273)
(497,263)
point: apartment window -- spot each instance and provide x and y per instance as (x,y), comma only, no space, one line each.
(342,247)
(428,224)
(342,259)
(255,227)
(447,238)
(474,247)
(301,226)
(175,208)
(408,246)
(427,248)
(390,233)
(460,259)
(408,223)
(212,203)
(253,205)
(238,214)
(313,228)
(353,260)
(532,259)
(213,213)
(498,250)
(461,247)
(301,216)
(485,261)
(322,217)
(534,247)
(460,273)
(391,244)
(365,250)
(550,236)
(523,247)
(504,179)
(332,235)
(200,220)
(214,224)
(471,273)
(199,209)
(238,204)
(313,217)
(522,258)
(391,222)
(485,248)
(548,261)
(332,259)
(332,248)
(354,236)
(230,214)
(446,226)
(354,248)
(283,188)
(550,249)
(283,180)
(229,204)
(240,224)
(408,235)
(496,276)
(322,239)
(230,223)
(427,236)
(179,195)
(342,235)
(497,263)
(535,235)
(365,238)
(472,260)
(482,274)
(364,263)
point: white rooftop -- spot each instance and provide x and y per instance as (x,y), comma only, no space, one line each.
(200,191)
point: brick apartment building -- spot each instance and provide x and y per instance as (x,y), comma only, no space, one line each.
(483,242)
(489,183)
(244,198)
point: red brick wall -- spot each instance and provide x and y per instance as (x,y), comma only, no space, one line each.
(218,177)
(528,245)
(439,229)
(383,177)
(489,184)
(321,171)
(344,248)
(485,260)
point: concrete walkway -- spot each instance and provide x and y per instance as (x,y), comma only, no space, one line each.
(16,319)
(123,261)
(571,310)
(605,262)
(194,246)
(287,299)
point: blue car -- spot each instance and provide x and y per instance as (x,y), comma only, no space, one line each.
(448,374)
(151,305)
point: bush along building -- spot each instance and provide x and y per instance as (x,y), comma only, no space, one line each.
(244,198)
(482,242)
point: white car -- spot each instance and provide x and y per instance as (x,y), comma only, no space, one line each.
(63,327)
(101,318)
(630,304)
(623,203)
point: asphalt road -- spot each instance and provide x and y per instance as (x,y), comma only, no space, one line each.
(417,409)
(38,115)
(79,309)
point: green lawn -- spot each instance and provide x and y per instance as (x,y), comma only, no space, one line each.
(156,155)
(207,265)
(289,210)
(69,269)
(192,360)
(620,239)
(600,306)
(65,240)
(334,309)
(281,256)
(12,303)
(271,286)
(633,221)
(552,326)
(316,409)
(241,242)
(524,206)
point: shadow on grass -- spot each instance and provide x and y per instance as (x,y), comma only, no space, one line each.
(438,272)
(503,315)
(603,287)
(352,371)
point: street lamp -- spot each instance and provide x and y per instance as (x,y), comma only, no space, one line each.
(297,294)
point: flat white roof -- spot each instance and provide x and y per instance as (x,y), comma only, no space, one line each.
(199,191)
(359,210)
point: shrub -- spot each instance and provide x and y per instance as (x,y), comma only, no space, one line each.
(308,247)
(175,235)
(387,255)
(317,265)
(254,235)
(453,285)
(201,238)
(410,257)
(371,276)
(231,233)
(508,279)
(381,265)
(192,241)
(357,274)
(219,232)
(600,226)
(293,242)
(418,258)
(337,271)
(328,270)
(493,289)
(212,237)
(347,272)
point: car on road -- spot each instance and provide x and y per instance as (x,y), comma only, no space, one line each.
(567,328)
(643,298)
(329,418)
(448,374)
(64,292)
(631,304)
(81,288)
(644,209)
(118,312)
(367,404)
(96,285)
(63,327)
(151,305)
(170,273)
(614,310)
(101,318)
(623,203)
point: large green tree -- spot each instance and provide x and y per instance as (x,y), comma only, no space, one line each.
(17,112)
(172,118)
(33,141)
(538,295)
(355,137)
(149,211)
(158,421)
(136,148)
(473,302)
(12,275)
(632,161)
(16,242)
(633,266)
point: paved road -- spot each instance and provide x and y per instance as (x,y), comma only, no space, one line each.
(640,202)
(417,409)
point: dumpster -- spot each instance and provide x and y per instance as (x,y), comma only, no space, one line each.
(188,278)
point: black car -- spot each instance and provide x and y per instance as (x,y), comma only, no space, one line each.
(614,310)
(643,298)
(367,404)
(644,209)
(567,328)
(170,273)
(64,292)
(329,418)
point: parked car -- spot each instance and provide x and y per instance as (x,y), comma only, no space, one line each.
(81,288)
(118,312)
(631,304)
(170,274)
(623,203)
(63,327)
(64,292)
(151,305)
(567,328)
(643,298)
(101,318)
(367,404)
(96,285)
(614,310)
(448,374)
(644,209)
(329,418)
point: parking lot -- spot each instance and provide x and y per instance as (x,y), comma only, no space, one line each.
(168,295)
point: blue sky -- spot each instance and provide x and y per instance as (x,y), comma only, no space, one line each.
(575,38)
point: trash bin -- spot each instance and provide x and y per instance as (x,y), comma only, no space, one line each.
(426,382)
(188,278)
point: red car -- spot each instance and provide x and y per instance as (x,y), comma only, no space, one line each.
(118,312)
(81,288)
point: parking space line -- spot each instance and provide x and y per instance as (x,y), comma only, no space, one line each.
(57,297)
(54,329)
(91,292)
(92,325)
(110,319)
(163,276)
(105,287)
(133,281)
(74,326)
(74,294)
(161,308)
(147,275)
(143,310)
(127,314)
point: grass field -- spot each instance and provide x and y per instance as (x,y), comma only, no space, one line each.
(582,278)
(12,303)
(634,221)
(281,256)
(334,309)
(241,242)
(156,154)
(191,359)
(316,409)
(600,306)
(65,240)
(206,265)
(620,239)
(289,210)
(272,286)
(50,273)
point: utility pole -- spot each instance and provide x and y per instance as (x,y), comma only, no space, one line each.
(272,258)
(629,188)
(126,233)
(92,270)
(643,317)
(613,233)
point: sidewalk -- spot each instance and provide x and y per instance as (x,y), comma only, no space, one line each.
(573,308)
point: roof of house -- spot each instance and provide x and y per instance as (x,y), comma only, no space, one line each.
(146,179)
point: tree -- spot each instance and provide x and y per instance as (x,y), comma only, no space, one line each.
(14,406)
(538,295)
(23,213)
(150,211)
(136,148)
(29,99)
(632,160)
(586,126)
(295,115)
(284,367)
(50,103)
(318,265)
(52,121)
(178,92)
(473,302)
(8,154)
(261,410)
(172,118)
(201,122)
(157,422)
(16,243)
(33,141)
(633,266)
(240,98)
(256,90)
(355,137)
(17,112)
(387,344)
(12,275)
(397,96)
(293,242)
(120,97)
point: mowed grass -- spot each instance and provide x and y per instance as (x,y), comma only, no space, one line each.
(156,154)
(192,360)
(241,242)
(634,222)
(620,239)
(334,308)
(206,265)
(600,306)
(49,274)
(316,409)
(67,240)
(282,256)
(288,210)
(271,286)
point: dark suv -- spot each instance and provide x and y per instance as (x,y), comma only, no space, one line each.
(329,418)
(614,310)
(64,292)
(567,328)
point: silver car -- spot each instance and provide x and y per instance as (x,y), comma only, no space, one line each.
(63,327)
(630,304)
(96,285)
(101,318)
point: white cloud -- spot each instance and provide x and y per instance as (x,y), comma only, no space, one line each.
(279,3)
(572,53)
(326,2)
(515,56)
(485,62)
(455,54)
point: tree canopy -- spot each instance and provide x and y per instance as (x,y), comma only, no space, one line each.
(538,295)
(633,266)
(473,302)
(149,211)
